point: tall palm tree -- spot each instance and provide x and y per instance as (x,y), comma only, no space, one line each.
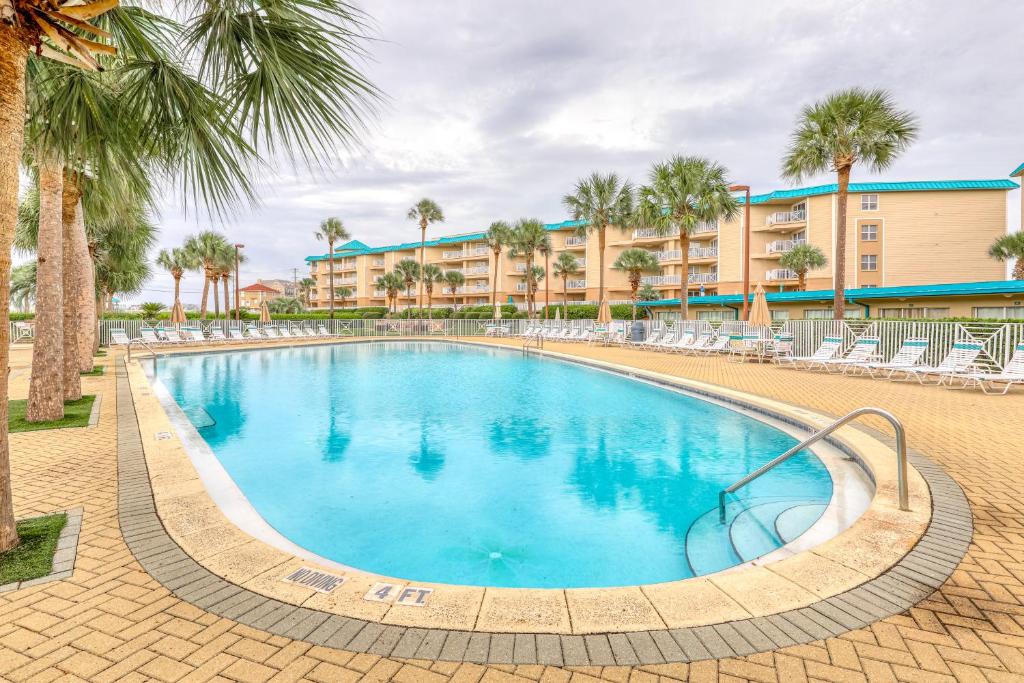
(343,293)
(425,212)
(409,271)
(176,261)
(533,275)
(635,263)
(1010,247)
(527,237)
(682,193)
(498,236)
(430,274)
(545,250)
(206,249)
(306,287)
(566,265)
(392,284)
(331,230)
(802,258)
(268,75)
(601,201)
(454,279)
(846,128)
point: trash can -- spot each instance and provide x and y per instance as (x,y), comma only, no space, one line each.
(639,331)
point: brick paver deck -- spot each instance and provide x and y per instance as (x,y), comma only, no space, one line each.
(111,621)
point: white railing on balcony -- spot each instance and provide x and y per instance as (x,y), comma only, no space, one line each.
(780,274)
(475,289)
(520,267)
(660,280)
(581,262)
(671,255)
(477,270)
(453,254)
(378,263)
(782,246)
(344,281)
(645,233)
(379,292)
(705,227)
(785,217)
(702,278)
(703,252)
(576,284)
(344,265)
(576,241)
(521,287)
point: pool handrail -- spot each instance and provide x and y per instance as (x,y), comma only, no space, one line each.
(901,456)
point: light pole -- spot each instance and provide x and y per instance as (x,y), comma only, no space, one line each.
(746,247)
(238,306)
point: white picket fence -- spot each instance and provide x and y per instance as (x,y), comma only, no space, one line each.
(998,340)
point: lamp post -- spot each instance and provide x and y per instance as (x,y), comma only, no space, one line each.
(746,247)
(238,305)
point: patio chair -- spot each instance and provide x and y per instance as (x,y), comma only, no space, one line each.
(235,334)
(119,338)
(780,346)
(654,338)
(828,349)
(742,346)
(284,331)
(717,345)
(271,332)
(685,341)
(907,357)
(217,335)
(1011,374)
(700,343)
(664,342)
(322,331)
(864,350)
(959,359)
(193,334)
(173,336)
(150,336)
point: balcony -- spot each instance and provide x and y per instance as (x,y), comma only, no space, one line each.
(344,281)
(701,229)
(378,263)
(671,255)
(703,252)
(785,217)
(475,289)
(780,275)
(520,267)
(702,278)
(660,280)
(781,246)
(576,284)
(378,293)
(476,270)
(576,241)
(446,255)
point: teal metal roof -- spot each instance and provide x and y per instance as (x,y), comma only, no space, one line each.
(861,294)
(914,186)
(352,245)
(1019,171)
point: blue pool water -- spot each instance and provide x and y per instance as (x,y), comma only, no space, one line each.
(449,463)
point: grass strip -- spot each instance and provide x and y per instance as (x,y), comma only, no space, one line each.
(34,556)
(76,414)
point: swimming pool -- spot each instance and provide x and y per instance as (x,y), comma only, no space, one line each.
(450,463)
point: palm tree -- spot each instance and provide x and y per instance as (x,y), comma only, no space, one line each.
(601,201)
(285,304)
(425,211)
(648,293)
(392,284)
(306,287)
(176,261)
(498,236)
(454,279)
(430,274)
(206,250)
(331,230)
(276,73)
(545,250)
(635,262)
(566,265)
(1010,247)
(343,293)
(533,275)
(409,271)
(151,309)
(846,128)
(802,258)
(527,237)
(682,193)
(23,286)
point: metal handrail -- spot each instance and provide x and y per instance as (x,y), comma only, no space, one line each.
(538,341)
(143,343)
(901,456)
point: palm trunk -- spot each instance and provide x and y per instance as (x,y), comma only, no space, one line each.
(565,296)
(430,302)
(494,287)
(423,255)
(634,284)
(70,281)
(529,287)
(224,280)
(13,54)
(547,285)
(840,255)
(1018,269)
(206,292)
(330,276)
(86,296)
(216,295)
(684,278)
(46,388)
(177,289)
(801,280)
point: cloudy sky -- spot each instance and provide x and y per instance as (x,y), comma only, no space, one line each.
(495,109)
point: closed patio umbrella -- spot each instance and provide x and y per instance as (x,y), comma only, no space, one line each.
(604,314)
(264,313)
(760,316)
(558,313)
(497,311)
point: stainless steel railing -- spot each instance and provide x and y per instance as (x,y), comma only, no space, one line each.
(901,456)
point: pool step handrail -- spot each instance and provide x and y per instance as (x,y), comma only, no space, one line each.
(143,343)
(534,341)
(901,456)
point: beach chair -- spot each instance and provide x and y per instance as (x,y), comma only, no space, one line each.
(322,331)
(271,332)
(119,338)
(685,341)
(235,334)
(781,345)
(665,341)
(959,359)
(907,357)
(173,336)
(655,337)
(828,348)
(701,342)
(743,346)
(989,382)
(717,345)
(150,336)
(864,350)
(193,334)
(284,331)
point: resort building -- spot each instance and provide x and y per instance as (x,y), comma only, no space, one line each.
(252,296)
(900,234)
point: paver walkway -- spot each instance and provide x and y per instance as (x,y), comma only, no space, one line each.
(110,621)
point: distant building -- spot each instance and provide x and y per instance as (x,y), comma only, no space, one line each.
(253,296)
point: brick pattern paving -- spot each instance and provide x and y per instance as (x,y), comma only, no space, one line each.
(111,621)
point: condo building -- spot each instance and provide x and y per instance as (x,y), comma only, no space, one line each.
(899,234)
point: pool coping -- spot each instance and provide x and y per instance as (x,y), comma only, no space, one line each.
(912,578)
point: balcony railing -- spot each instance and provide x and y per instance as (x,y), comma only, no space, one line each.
(700,229)
(786,217)
(378,263)
(465,253)
(779,274)
(344,281)
(576,284)
(379,292)
(576,241)
(520,267)
(782,246)
(671,255)
(703,252)
(702,278)
(660,280)
(453,254)
(482,289)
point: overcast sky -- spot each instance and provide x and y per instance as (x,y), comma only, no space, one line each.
(495,109)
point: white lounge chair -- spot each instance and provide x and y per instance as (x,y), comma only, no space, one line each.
(959,359)
(780,346)
(284,331)
(864,350)
(717,345)
(235,334)
(742,346)
(119,338)
(173,336)
(665,340)
(322,331)
(828,349)
(655,337)
(700,343)
(193,334)
(989,382)
(685,341)
(908,357)
(150,336)
(271,332)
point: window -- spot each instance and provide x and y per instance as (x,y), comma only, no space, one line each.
(869,202)
(780,316)
(869,232)
(829,313)
(714,315)
(869,262)
(915,313)
(999,312)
